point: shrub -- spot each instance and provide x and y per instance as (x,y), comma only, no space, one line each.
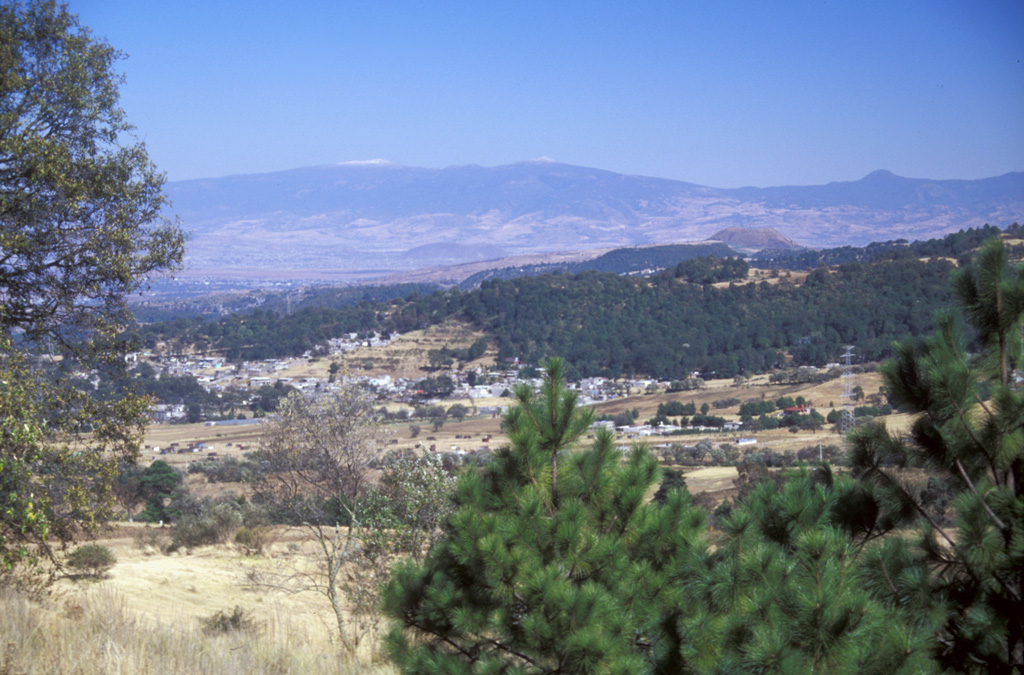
(213,524)
(151,539)
(230,470)
(725,403)
(237,621)
(92,559)
(253,537)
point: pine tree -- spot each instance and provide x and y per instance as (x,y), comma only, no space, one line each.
(554,561)
(785,590)
(966,580)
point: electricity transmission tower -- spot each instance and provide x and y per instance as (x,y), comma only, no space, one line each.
(846,422)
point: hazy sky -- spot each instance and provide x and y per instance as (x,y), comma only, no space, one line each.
(718,93)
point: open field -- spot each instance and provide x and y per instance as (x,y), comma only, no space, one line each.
(710,479)
(148,616)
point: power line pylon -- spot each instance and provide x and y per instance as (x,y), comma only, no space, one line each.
(846,422)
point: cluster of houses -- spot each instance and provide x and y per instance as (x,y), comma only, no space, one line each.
(217,376)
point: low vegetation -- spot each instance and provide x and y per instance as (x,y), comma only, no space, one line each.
(100,634)
(556,558)
(92,559)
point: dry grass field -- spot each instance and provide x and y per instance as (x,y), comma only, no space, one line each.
(149,616)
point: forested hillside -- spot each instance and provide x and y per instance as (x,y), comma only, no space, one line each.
(958,246)
(219,304)
(617,261)
(613,325)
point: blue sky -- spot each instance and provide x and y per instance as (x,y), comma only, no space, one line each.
(722,93)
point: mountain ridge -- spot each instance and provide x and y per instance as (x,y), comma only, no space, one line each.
(385,216)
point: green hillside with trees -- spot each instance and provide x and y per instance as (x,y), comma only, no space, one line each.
(959,246)
(667,326)
(619,261)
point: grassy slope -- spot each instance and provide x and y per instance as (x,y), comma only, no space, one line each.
(146,617)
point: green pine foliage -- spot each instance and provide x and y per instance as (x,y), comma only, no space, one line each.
(970,407)
(554,559)
(785,590)
(557,560)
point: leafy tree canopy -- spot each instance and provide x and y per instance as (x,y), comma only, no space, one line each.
(80,230)
(80,207)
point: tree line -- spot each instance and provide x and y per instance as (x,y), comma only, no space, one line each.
(958,246)
(618,261)
(606,324)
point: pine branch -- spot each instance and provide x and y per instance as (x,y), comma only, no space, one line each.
(970,485)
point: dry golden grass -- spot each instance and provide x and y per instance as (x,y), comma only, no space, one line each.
(98,632)
(710,479)
(147,617)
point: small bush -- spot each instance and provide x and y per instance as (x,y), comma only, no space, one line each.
(229,470)
(214,523)
(152,540)
(92,559)
(235,622)
(253,537)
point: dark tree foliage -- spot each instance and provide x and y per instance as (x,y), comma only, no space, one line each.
(441,386)
(80,231)
(756,408)
(710,270)
(618,326)
(969,424)
(446,355)
(556,561)
(157,486)
(676,409)
(618,261)
(956,245)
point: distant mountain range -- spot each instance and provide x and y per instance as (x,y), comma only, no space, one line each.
(364,219)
